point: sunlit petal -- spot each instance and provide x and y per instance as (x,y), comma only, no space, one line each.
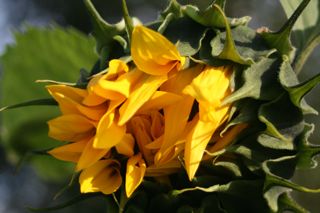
(136,169)
(109,133)
(142,92)
(104,176)
(153,53)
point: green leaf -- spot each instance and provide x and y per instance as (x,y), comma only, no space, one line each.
(189,39)
(47,53)
(260,82)
(281,39)
(306,31)
(275,184)
(307,151)
(285,202)
(284,122)
(248,43)
(289,80)
(106,35)
(229,51)
(210,17)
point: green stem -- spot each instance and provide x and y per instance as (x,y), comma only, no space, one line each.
(304,54)
(127,19)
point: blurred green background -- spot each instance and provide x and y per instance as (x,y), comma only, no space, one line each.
(37,185)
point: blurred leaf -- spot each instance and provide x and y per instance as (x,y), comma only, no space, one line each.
(66,204)
(50,53)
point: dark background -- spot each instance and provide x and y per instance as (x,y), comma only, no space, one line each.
(26,188)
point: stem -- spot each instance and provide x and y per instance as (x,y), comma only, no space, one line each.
(304,54)
(127,19)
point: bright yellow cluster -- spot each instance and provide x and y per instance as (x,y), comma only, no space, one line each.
(156,116)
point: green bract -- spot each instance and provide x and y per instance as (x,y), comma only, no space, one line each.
(254,173)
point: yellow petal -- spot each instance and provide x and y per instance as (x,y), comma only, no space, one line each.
(67,97)
(70,152)
(115,84)
(92,99)
(153,53)
(136,169)
(104,176)
(159,100)
(156,144)
(73,93)
(142,92)
(196,143)
(70,128)
(140,128)
(176,118)
(164,156)
(211,85)
(117,66)
(227,138)
(90,155)
(164,169)
(126,145)
(109,133)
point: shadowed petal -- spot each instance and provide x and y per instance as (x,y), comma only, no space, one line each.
(70,127)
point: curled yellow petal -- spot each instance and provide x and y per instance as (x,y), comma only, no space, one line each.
(104,176)
(136,169)
(70,127)
(153,53)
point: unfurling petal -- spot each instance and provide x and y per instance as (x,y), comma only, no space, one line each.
(70,128)
(109,133)
(104,176)
(136,169)
(153,53)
